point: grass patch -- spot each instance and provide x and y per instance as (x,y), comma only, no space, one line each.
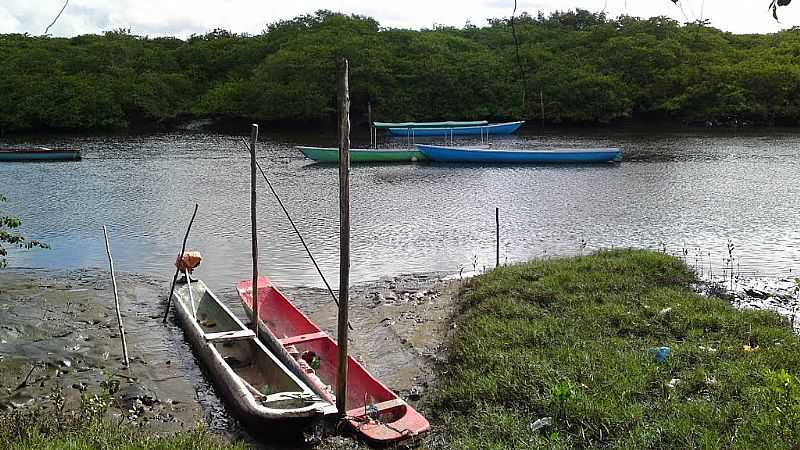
(574,339)
(50,427)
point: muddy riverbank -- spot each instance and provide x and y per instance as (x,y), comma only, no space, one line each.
(58,330)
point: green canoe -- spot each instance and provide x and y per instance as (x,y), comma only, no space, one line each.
(360,155)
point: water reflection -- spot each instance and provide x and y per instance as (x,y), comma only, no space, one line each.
(692,190)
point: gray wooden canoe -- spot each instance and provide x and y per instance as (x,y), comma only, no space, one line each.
(251,380)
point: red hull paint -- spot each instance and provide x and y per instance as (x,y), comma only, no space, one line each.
(398,420)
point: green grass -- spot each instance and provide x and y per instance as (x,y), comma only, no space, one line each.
(573,339)
(48,427)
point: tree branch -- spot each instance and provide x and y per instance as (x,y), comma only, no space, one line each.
(57,16)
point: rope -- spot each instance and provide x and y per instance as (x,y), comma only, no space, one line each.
(302,241)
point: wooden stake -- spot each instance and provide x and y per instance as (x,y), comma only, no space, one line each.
(254,237)
(344,234)
(372,142)
(541,104)
(177,271)
(497,233)
(116,300)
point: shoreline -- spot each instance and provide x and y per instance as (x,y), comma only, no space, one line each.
(403,326)
(60,326)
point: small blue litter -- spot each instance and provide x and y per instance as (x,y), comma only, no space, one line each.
(662,353)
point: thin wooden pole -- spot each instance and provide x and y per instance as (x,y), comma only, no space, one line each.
(541,104)
(116,300)
(254,237)
(177,271)
(497,233)
(344,234)
(372,142)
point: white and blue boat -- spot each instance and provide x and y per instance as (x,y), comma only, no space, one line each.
(519,156)
(451,129)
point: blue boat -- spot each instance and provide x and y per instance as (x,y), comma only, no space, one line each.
(499,156)
(450,131)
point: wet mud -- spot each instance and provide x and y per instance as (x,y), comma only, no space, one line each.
(58,331)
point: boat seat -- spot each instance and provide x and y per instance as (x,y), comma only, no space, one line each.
(236,335)
(300,338)
(382,406)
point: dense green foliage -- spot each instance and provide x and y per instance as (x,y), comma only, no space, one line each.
(8,235)
(579,66)
(573,339)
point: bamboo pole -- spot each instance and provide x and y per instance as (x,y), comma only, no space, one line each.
(344,234)
(372,142)
(177,270)
(497,234)
(541,104)
(254,237)
(116,299)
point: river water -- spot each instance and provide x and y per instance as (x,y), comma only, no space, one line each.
(685,189)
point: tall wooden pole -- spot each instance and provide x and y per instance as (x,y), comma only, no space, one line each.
(497,234)
(344,234)
(254,237)
(116,300)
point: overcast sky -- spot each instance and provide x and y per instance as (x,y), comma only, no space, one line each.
(183,17)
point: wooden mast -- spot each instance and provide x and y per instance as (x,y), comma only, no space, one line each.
(344,234)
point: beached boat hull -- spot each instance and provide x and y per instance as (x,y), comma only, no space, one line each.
(483,130)
(374,410)
(39,154)
(331,155)
(254,383)
(474,155)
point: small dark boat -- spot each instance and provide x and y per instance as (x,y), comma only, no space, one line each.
(39,154)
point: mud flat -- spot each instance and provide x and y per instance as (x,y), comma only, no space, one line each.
(58,331)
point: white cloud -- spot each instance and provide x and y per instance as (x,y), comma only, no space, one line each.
(184,17)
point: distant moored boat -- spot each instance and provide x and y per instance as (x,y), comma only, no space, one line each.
(445,124)
(331,155)
(519,156)
(39,154)
(450,129)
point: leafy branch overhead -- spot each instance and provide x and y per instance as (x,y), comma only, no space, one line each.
(774,6)
(9,237)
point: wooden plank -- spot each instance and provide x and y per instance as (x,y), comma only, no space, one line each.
(382,406)
(236,335)
(303,338)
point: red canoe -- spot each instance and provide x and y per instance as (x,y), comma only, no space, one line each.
(374,410)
